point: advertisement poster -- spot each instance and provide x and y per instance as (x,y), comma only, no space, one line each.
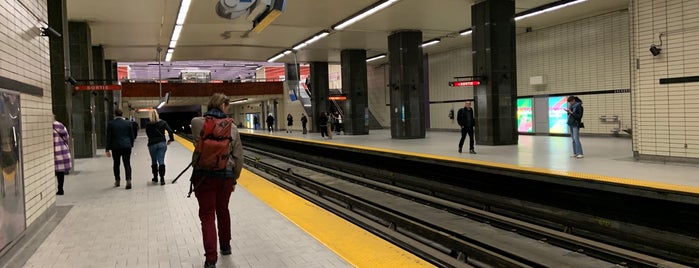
(525,123)
(558,117)
(11,179)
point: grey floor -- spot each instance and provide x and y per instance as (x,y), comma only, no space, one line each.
(157,226)
(606,156)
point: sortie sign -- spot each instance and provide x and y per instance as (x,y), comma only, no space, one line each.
(97,87)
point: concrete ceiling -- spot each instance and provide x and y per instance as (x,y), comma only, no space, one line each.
(132,30)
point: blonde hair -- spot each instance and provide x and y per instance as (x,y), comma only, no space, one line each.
(216,100)
(153,116)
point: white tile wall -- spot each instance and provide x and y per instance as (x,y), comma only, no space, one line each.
(24,56)
(665,124)
(377,79)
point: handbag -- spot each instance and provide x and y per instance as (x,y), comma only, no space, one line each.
(582,125)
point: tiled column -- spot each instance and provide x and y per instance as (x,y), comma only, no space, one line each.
(99,72)
(81,69)
(354,84)
(494,57)
(319,91)
(60,62)
(406,85)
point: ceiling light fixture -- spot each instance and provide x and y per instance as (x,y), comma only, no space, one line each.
(179,23)
(238,101)
(311,40)
(556,5)
(380,56)
(430,42)
(466,32)
(365,13)
(278,56)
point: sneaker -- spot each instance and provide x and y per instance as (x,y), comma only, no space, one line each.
(579,156)
(472,152)
(573,156)
(226,250)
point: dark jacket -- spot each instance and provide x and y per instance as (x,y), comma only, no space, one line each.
(156,132)
(465,117)
(270,119)
(576,113)
(120,134)
(323,120)
(304,120)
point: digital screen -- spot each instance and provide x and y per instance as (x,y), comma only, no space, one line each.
(525,124)
(558,117)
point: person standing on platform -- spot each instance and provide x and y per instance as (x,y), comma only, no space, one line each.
(120,139)
(304,121)
(255,122)
(61,153)
(213,187)
(157,144)
(289,122)
(467,122)
(270,123)
(323,124)
(575,115)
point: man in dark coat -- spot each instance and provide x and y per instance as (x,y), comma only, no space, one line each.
(467,122)
(120,140)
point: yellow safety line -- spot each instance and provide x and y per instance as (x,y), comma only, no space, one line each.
(571,174)
(355,245)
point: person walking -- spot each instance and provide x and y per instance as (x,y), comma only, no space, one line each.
(467,122)
(270,123)
(575,115)
(323,124)
(157,144)
(213,188)
(120,139)
(289,122)
(304,121)
(61,153)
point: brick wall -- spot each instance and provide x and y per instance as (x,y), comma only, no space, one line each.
(665,121)
(24,57)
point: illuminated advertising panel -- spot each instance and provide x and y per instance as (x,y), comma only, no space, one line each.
(558,117)
(525,124)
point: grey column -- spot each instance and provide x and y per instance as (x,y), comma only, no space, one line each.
(494,57)
(111,72)
(354,84)
(319,87)
(81,69)
(406,85)
(100,76)
(60,62)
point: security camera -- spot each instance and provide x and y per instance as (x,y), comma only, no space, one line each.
(48,31)
(655,50)
(71,80)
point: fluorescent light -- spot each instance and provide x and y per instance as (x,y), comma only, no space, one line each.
(176,32)
(364,15)
(238,101)
(311,40)
(276,57)
(168,57)
(287,52)
(182,14)
(161,105)
(430,42)
(179,23)
(173,44)
(466,32)
(548,9)
(381,56)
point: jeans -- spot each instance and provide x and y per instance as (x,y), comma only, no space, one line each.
(157,153)
(213,195)
(124,153)
(466,131)
(575,136)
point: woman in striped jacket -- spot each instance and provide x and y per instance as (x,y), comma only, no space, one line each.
(61,153)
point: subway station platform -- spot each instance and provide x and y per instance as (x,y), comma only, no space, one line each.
(607,159)
(157,226)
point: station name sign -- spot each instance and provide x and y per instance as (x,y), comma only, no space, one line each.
(97,87)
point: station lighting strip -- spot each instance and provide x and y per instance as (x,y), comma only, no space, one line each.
(179,23)
(549,9)
(380,56)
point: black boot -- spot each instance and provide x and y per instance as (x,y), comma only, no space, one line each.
(60,177)
(154,169)
(128,184)
(161,170)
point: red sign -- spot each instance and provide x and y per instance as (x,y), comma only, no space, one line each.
(97,87)
(337,97)
(471,83)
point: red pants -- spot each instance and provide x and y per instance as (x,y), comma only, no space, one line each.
(213,195)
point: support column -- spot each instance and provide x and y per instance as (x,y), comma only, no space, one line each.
(494,57)
(320,85)
(60,62)
(99,72)
(81,69)
(406,85)
(354,84)
(111,72)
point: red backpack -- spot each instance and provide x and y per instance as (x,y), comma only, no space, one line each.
(213,148)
